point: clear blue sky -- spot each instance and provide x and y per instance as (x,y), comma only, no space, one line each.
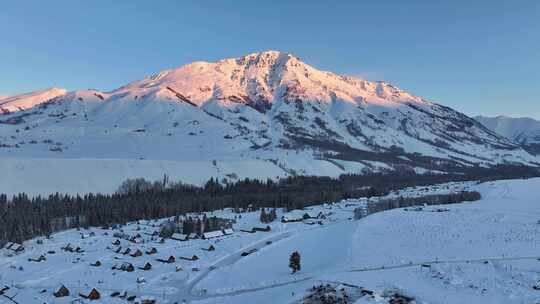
(480,57)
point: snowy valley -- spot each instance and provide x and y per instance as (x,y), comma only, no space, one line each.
(474,252)
(267,152)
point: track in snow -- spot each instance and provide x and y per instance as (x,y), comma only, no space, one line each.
(187,293)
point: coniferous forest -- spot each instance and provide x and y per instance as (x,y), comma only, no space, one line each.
(24,217)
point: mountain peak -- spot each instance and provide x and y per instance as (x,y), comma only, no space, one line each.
(269,58)
(268,54)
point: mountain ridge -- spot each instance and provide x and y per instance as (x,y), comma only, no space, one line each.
(25,101)
(523,130)
(266,107)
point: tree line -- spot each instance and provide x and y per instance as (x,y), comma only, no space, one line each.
(429,199)
(24,217)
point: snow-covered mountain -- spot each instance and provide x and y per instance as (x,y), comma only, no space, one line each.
(266,114)
(525,131)
(28,100)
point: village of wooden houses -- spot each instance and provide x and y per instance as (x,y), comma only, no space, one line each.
(244,255)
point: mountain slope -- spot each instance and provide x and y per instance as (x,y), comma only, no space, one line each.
(28,100)
(269,108)
(525,131)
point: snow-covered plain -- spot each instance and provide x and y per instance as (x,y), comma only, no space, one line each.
(468,254)
(105,175)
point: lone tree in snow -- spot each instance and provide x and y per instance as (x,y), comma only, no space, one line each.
(294,261)
(264,216)
(268,217)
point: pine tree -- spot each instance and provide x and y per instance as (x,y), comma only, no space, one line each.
(294,262)
(273,215)
(263,217)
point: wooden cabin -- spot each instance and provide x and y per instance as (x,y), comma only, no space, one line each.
(193,236)
(152,250)
(38,259)
(146,267)
(179,237)
(128,267)
(14,247)
(212,234)
(193,258)
(264,229)
(170,260)
(137,253)
(3,290)
(148,300)
(61,292)
(137,239)
(96,264)
(92,295)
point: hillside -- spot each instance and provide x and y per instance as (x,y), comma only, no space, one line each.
(28,100)
(263,115)
(525,131)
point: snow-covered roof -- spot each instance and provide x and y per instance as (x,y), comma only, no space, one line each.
(213,234)
(14,247)
(179,236)
(228,231)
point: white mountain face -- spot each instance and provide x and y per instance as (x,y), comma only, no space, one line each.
(524,131)
(267,114)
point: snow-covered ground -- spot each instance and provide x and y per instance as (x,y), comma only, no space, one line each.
(480,252)
(91,175)
(105,175)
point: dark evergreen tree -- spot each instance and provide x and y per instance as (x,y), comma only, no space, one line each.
(294,262)
(263,216)
(273,215)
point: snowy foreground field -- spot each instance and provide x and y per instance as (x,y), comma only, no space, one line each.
(482,252)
